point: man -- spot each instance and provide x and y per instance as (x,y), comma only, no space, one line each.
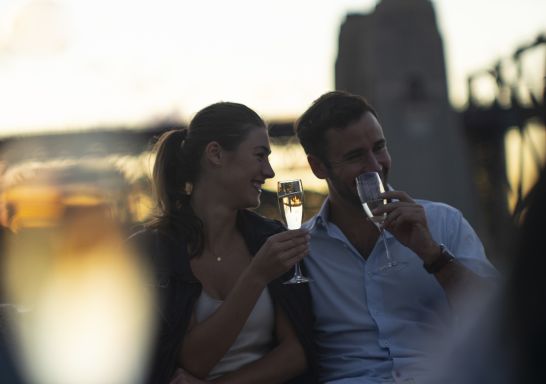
(374,319)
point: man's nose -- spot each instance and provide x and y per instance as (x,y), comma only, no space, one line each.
(371,164)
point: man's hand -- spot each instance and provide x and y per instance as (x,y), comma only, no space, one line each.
(407,221)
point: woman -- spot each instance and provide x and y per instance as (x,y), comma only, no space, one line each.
(225,315)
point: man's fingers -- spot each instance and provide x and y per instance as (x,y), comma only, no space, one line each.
(388,208)
(398,195)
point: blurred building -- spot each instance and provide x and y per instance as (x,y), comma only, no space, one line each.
(45,176)
(394,57)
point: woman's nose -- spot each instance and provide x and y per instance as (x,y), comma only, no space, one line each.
(268,170)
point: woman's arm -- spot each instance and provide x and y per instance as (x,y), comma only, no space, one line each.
(284,362)
(207,342)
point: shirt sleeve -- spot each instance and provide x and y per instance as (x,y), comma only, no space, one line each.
(465,244)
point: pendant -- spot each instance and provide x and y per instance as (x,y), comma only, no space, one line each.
(218,259)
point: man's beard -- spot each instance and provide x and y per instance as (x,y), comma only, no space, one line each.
(347,194)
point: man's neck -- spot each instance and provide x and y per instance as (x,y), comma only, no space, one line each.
(354,224)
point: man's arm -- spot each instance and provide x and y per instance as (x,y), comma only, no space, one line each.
(407,221)
(456,279)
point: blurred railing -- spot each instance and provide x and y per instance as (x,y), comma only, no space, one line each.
(505,125)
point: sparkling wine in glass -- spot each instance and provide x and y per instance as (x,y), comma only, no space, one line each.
(369,186)
(290,195)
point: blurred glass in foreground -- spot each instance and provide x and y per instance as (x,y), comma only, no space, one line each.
(81,311)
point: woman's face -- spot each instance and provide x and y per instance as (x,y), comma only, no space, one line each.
(246,169)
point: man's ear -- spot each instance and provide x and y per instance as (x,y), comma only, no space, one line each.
(214,153)
(317,166)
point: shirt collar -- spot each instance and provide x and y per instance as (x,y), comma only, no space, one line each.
(320,220)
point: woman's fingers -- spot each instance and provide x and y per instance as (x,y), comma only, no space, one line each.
(280,252)
(290,234)
(290,240)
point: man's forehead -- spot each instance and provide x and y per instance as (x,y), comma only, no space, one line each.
(356,136)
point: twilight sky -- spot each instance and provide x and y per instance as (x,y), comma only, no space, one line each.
(90,63)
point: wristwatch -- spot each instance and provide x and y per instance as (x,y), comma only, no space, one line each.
(445,258)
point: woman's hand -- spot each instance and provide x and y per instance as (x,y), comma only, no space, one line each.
(279,253)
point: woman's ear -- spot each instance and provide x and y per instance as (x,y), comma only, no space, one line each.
(317,166)
(214,153)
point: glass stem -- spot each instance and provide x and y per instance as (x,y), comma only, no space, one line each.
(297,270)
(385,244)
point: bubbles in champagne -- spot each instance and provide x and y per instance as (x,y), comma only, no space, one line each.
(370,206)
(290,194)
(291,207)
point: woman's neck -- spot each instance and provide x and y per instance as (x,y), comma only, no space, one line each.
(219,220)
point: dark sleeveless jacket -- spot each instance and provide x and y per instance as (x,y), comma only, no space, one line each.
(178,289)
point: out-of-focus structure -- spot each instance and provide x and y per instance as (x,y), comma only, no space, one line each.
(505,125)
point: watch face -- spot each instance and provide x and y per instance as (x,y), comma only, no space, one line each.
(446,251)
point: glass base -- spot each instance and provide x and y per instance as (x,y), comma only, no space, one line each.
(390,264)
(298,280)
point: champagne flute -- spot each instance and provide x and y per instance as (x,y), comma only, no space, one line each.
(369,186)
(290,195)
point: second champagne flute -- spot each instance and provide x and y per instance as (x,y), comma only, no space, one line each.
(290,195)
(369,186)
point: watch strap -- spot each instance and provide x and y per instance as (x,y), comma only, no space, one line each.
(445,258)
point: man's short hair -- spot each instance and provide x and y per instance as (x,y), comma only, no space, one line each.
(337,110)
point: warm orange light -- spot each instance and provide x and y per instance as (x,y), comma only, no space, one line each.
(535,134)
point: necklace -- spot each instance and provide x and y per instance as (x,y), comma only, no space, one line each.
(214,255)
(218,258)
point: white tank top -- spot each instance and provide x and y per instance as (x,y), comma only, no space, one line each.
(255,339)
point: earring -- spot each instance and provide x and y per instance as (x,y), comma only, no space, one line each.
(188,188)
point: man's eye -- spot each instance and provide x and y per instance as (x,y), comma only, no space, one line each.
(354,157)
(380,147)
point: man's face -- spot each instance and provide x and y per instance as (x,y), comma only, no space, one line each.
(358,148)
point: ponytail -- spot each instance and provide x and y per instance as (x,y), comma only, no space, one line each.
(172,173)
